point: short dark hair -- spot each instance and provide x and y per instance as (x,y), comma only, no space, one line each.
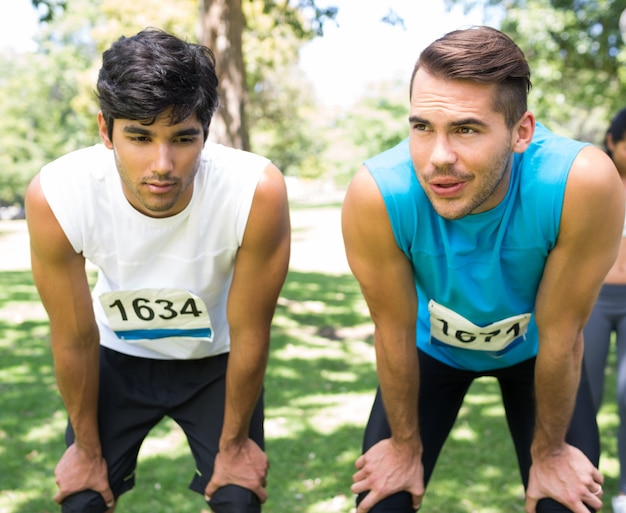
(617,130)
(144,75)
(485,55)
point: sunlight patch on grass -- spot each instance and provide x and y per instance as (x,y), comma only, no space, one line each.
(608,417)
(307,306)
(322,401)
(337,376)
(48,432)
(314,348)
(609,465)
(503,493)
(608,422)
(304,491)
(285,372)
(490,472)
(339,503)
(348,457)
(464,432)
(479,399)
(14,375)
(353,411)
(18,312)
(493,411)
(14,500)
(278,427)
(311,346)
(173,443)
(329,414)
(472,507)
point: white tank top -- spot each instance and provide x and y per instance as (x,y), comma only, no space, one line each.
(163,283)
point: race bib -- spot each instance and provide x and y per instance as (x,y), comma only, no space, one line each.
(449,328)
(156,314)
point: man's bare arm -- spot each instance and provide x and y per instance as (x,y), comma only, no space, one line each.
(59,274)
(386,279)
(591,225)
(260,270)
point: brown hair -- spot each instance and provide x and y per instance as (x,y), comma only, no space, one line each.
(485,55)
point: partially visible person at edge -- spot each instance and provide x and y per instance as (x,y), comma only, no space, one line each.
(191,241)
(483,239)
(609,316)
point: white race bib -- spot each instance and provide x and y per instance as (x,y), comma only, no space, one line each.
(173,322)
(450,328)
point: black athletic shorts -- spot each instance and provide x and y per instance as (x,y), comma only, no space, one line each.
(135,395)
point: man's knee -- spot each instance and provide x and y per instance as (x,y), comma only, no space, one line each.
(235,499)
(86,501)
(397,503)
(552,506)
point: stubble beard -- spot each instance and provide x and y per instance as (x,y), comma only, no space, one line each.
(152,203)
(503,163)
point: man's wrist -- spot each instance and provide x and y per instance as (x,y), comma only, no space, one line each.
(546,448)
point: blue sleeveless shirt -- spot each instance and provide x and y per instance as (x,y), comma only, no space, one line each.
(477,277)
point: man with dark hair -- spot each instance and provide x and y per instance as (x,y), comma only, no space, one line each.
(191,243)
(483,239)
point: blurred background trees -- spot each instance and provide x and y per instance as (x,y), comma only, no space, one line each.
(48,107)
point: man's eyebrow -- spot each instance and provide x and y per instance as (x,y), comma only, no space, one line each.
(187,132)
(134,129)
(138,130)
(460,122)
(417,119)
(468,121)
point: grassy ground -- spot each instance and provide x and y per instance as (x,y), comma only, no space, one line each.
(320,385)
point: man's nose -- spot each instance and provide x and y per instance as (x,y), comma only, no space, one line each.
(163,162)
(442,154)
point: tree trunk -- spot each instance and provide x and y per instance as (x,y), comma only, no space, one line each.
(222,28)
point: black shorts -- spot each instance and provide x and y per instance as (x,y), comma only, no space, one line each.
(135,395)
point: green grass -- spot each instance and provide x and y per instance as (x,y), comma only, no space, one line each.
(319,388)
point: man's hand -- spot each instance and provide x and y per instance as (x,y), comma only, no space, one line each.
(243,465)
(78,471)
(386,469)
(568,477)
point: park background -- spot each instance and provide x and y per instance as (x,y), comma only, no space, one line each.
(317,98)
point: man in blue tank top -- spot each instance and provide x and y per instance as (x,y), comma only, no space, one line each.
(483,239)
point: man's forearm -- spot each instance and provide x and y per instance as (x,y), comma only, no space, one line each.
(77,374)
(557,377)
(398,374)
(244,382)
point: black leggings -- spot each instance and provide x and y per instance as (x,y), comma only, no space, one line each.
(442,385)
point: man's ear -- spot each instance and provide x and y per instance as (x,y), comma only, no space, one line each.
(523,132)
(104,133)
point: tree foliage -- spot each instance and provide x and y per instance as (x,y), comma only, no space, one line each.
(41,114)
(224,23)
